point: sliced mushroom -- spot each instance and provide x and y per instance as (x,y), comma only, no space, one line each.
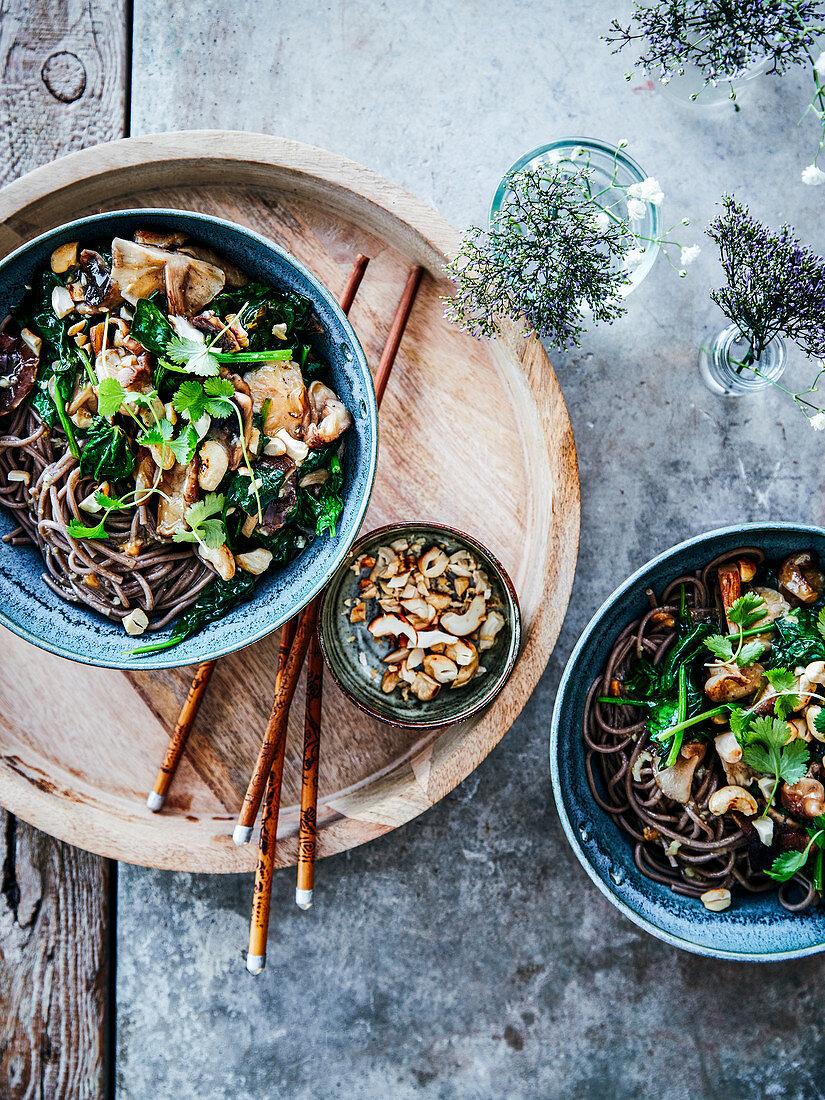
(157,238)
(729,749)
(62,302)
(811,715)
(281,508)
(747,569)
(676,781)
(18,371)
(235,277)
(330,417)
(490,629)
(99,289)
(729,682)
(190,284)
(776,604)
(255,561)
(441,668)
(806,798)
(469,621)
(386,625)
(730,587)
(282,385)
(799,577)
(810,683)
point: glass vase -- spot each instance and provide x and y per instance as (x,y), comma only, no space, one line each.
(724,365)
(689,87)
(613,172)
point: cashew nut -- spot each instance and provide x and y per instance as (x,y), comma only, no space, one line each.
(433,563)
(214,462)
(732,798)
(489,630)
(728,747)
(715,900)
(441,668)
(810,720)
(469,621)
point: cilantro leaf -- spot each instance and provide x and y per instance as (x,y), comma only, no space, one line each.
(750,652)
(786,865)
(819,721)
(193,355)
(158,436)
(110,396)
(760,759)
(190,400)
(773,732)
(79,531)
(820,623)
(739,722)
(204,529)
(783,681)
(793,761)
(747,610)
(183,447)
(720,646)
(220,392)
(219,387)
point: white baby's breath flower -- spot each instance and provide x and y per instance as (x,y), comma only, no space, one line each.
(602,221)
(648,189)
(819,64)
(636,209)
(634,257)
(817,422)
(689,254)
(813,176)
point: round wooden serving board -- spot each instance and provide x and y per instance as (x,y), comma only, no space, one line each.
(473,434)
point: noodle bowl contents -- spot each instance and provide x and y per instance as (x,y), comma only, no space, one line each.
(167,434)
(705,731)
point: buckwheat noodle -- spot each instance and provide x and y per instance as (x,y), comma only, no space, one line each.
(684,847)
(162,578)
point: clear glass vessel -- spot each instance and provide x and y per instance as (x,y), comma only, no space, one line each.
(613,171)
(724,368)
(690,87)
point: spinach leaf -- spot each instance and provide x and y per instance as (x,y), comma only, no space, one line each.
(266,308)
(107,453)
(796,640)
(150,327)
(239,492)
(212,604)
(684,651)
(284,545)
(325,509)
(35,312)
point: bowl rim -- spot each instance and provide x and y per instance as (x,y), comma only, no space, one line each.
(515,647)
(561,693)
(166,658)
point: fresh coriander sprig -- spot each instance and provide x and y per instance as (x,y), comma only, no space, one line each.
(786,865)
(743,613)
(767,748)
(196,357)
(205,526)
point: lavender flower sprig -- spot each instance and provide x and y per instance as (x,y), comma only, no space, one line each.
(559,254)
(722,38)
(774,285)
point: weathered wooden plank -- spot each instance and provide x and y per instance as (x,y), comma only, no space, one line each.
(62,87)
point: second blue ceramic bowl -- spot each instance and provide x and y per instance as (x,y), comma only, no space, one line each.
(32,610)
(755,928)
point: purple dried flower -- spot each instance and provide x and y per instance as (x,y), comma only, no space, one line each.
(723,38)
(775,286)
(545,262)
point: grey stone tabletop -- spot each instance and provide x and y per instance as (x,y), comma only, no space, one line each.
(467,954)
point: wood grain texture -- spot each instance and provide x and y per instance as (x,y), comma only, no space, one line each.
(473,434)
(62,87)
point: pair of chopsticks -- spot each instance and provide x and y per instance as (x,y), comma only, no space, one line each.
(296,640)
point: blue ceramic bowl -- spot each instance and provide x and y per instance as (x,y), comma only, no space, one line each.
(754,928)
(28,606)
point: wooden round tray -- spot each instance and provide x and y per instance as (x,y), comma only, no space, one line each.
(473,434)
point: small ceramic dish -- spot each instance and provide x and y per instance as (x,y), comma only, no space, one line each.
(356,659)
(29,608)
(755,928)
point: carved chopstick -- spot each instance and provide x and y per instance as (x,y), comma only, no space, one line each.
(189,710)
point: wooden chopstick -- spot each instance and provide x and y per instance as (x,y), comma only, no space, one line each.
(307,833)
(259,925)
(189,710)
(307,837)
(177,742)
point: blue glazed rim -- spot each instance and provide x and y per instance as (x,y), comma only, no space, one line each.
(566,726)
(206,644)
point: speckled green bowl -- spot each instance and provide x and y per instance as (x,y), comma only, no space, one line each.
(343,643)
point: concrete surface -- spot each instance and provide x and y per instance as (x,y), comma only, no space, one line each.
(467,955)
